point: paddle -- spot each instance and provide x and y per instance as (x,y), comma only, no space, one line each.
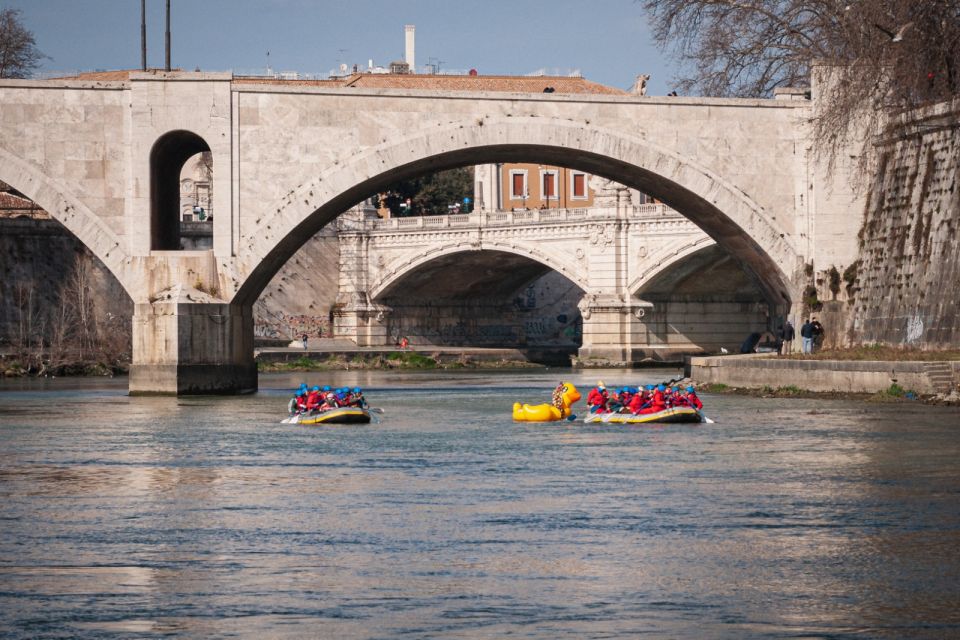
(706,419)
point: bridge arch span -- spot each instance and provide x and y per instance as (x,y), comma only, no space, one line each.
(67,209)
(664,259)
(722,209)
(400,268)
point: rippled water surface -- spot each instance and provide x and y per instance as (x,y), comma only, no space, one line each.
(204,517)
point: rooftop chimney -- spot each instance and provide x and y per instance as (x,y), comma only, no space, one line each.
(409,58)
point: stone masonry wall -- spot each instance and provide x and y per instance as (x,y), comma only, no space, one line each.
(299,298)
(907,289)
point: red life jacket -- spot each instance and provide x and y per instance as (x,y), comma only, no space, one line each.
(694,400)
(657,402)
(597,398)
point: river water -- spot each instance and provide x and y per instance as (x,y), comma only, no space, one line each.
(205,517)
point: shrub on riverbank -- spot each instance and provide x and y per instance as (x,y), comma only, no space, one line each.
(16,369)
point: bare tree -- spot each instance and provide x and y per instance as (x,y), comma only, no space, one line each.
(880,56)
(18,51)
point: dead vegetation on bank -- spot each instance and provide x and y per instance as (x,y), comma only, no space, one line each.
(388,361)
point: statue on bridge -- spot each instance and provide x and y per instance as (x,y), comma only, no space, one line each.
(640,84)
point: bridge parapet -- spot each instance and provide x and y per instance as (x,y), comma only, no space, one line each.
(503,218)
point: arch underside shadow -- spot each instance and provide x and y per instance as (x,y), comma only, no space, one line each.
(664,259)
(679,183)
(708,272)
(515,264)
(485,298)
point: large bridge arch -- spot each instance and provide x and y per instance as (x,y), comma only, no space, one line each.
(67,209)
(403,266)
(722,209)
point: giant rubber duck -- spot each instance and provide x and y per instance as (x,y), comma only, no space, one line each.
(563,396)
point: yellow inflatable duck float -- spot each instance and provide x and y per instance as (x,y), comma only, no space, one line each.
(563,396)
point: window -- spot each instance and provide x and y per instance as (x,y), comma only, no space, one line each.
(578,185)
(518,184)
(548,184)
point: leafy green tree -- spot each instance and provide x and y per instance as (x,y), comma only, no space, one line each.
(18,51)
(432,194)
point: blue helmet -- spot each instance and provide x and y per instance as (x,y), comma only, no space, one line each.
(689,389)
(661,388)
(326,387)
(356,389)
(315,388)
(649,387)
(301,392)
(303,385)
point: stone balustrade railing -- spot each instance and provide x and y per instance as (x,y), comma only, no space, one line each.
(507,218)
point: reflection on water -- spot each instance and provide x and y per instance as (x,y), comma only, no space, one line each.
(204,517)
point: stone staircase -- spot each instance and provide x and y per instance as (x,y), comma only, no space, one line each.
(940,375)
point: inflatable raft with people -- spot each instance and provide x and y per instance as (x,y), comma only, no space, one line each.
(327,405)
(644,404)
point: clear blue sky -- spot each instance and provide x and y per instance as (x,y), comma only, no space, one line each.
(607,40)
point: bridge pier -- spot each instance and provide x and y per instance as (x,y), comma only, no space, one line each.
(192,348)
(365,322)
(614,332)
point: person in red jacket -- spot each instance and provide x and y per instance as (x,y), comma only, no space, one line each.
(597,399)
(693,399)
(657,402)
(314,399)
(301,400)
(640,400)
(678,399)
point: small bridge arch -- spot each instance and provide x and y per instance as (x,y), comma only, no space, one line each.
(410,262)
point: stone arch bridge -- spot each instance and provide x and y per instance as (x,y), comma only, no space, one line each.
(610,253)
(103,157)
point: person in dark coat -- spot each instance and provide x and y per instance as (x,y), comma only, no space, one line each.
(806,333)
(787,334)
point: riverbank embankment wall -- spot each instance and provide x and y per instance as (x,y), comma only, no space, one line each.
(905,287)
(850,376)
